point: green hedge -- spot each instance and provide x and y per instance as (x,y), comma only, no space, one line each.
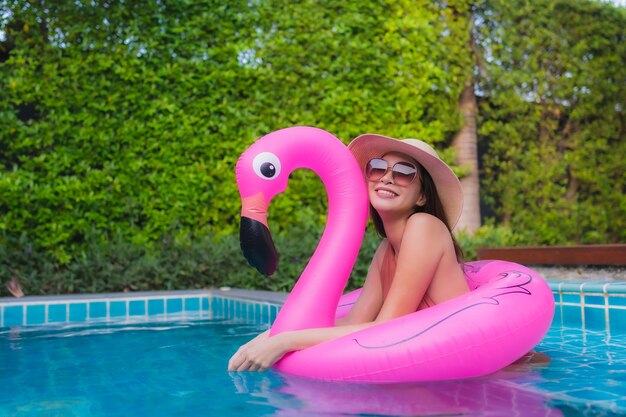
(201,262)
(126,119)
(121,122)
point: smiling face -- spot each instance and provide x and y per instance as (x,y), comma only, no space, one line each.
(392,196)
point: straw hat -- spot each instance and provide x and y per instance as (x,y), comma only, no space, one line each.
(368,146)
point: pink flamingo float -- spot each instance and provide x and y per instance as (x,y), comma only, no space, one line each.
(507,312)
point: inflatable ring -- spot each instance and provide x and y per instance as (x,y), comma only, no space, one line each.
(507,312)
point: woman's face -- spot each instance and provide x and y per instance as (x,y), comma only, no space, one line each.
(390,196)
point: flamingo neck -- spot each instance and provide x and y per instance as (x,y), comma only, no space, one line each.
(313,301)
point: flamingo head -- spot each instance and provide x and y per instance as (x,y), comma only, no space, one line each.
(262,172)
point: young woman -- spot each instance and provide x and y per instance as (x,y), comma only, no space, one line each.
(415,201)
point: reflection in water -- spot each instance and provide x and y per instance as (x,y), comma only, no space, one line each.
(497,395)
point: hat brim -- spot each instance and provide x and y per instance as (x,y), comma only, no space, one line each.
(368,146)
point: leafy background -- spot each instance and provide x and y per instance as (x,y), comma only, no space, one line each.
(121,122)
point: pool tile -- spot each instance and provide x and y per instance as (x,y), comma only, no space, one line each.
(617,300)
(557,315)
(156,306)
(265,314)
(595,318)
(596,299)
(571,298)
(14,316)
(97,309)
(174,305)
(78,311)
(617,319)
(273,313)
(217,307)
(205,304)
(117,308)
(572,316)
(137,308)
(36,314)
(57,313)
(192,304)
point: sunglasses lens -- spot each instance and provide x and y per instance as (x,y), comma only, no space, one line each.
(375,169)
(403,173)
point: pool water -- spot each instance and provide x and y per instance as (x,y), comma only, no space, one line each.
(177,367)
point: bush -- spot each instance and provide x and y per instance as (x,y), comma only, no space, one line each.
(487,236)
(193,263)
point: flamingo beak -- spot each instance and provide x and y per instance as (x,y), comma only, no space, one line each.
(255,237)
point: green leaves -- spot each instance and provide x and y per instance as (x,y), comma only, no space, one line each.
(553,121)
(124,120)
(140,111)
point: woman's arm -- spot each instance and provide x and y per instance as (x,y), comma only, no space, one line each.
(260,354)
(263,351)
(369,302)
(421,250)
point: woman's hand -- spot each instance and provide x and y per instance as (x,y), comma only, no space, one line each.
(259,354)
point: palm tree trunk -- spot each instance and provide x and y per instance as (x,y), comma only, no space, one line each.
(466,145)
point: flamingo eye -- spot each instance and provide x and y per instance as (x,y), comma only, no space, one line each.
(266,165)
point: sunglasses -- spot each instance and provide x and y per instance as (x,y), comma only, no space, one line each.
(403,173)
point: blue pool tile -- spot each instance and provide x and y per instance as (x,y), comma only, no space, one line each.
(557,315)
(192,304)
(117,308)
(273,313)
(571,298)
(205,303)
(594,299)
(572,316)
(617,300)
(97,309)
(137,308)
(595,318)
(217,307)
(617,319)
(174,305)
(14,316)
(36,314)
(156,306)
(78,312)
(57,313)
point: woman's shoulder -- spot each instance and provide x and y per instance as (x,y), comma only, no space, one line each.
(421,225)
(425,222)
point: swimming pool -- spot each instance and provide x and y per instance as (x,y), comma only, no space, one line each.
(164,354)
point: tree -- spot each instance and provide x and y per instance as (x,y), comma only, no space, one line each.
(553,118)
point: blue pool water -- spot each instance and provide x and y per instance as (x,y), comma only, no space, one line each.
(177,367)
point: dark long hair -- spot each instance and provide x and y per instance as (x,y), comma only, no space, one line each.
(432,206)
